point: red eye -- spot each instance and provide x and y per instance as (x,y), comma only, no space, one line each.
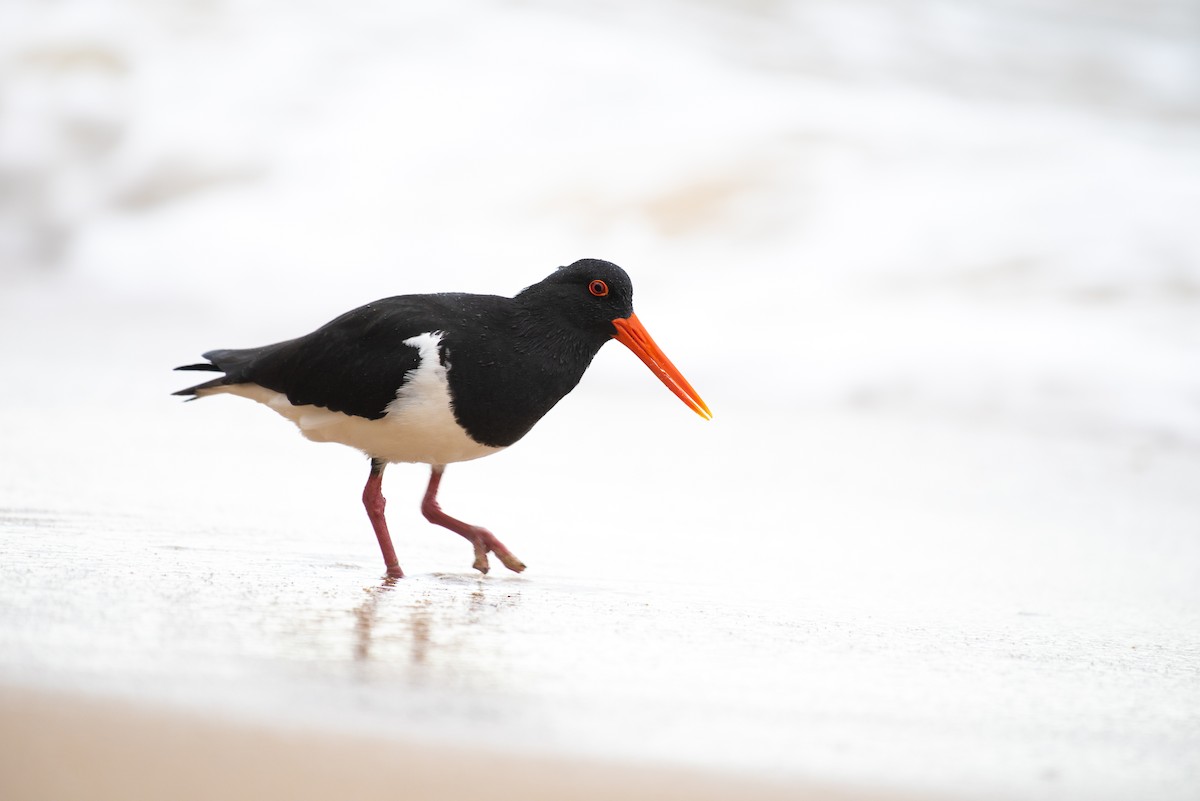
(598,288)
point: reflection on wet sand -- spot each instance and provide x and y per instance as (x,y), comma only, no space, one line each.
(364,617)
(433,622)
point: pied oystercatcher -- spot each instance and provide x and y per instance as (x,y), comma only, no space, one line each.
(443,378)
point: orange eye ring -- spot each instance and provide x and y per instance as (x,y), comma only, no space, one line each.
(598,288)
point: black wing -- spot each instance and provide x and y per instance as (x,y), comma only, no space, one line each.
(353,364)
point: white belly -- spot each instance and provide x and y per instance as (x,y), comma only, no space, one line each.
(419,425)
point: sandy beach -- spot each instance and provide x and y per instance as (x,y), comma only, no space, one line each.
(63,747)
(958,658)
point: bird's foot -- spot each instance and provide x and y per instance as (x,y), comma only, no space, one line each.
(485,542)
(394,572)
(511,562)
(503,554)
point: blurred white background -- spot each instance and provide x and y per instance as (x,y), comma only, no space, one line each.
(982,210)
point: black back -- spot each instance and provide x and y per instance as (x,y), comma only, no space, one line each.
(509,360)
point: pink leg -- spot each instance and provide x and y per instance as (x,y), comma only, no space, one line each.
(480,537)
(375,502)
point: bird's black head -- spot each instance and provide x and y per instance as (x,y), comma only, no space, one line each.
(587,295)
(594,299)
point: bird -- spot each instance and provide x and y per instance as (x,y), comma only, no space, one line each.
(443,378)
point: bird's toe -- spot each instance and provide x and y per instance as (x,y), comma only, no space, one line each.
(511,562)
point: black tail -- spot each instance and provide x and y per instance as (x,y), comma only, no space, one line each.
(230,362)
(237,365)
(191,393)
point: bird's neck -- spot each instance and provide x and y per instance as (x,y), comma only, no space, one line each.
(551,335)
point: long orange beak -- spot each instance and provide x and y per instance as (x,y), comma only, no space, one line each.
(633,335)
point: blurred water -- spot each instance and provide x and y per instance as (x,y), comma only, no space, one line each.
(933,265)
